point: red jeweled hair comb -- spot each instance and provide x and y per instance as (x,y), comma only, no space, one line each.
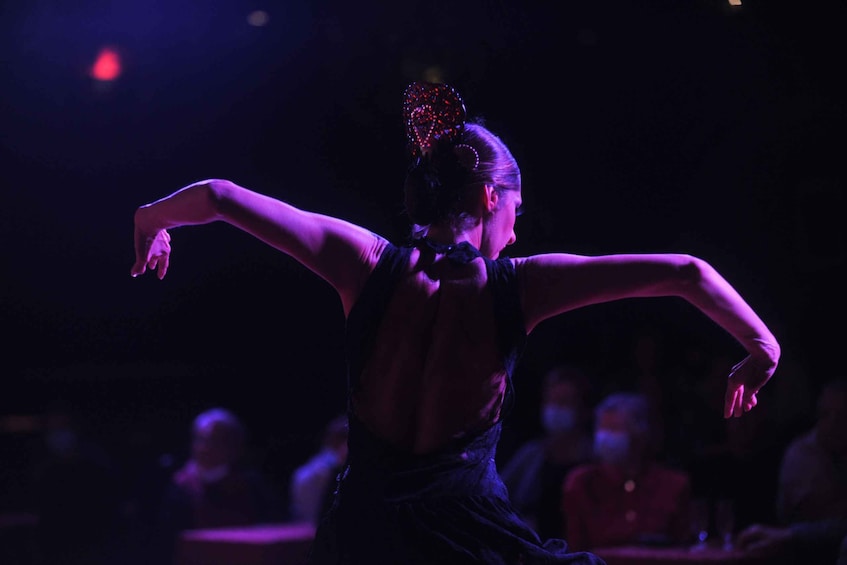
(433,112)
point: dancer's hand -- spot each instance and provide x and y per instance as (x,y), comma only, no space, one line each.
(151,252)
(745,380)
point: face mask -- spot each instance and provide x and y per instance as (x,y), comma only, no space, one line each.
(611,447)
(558,419)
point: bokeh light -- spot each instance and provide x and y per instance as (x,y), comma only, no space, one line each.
(258,18)
(107,66)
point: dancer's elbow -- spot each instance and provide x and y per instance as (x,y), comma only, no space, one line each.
(692,272)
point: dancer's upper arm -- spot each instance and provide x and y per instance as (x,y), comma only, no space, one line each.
(558,282)
(341,253)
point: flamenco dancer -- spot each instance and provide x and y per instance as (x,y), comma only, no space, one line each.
(434,328)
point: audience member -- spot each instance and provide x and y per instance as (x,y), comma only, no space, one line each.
(313,483)
(535,473)
(217,486)
(737,460)
(811,506)
(142,507)
(692,433)
(76,493)
(643,369)
(813,476)
(626,496)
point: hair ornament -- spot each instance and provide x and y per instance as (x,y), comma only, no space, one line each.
(467,156)
(433,112)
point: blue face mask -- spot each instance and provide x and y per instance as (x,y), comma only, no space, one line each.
(611,447)
(558,418)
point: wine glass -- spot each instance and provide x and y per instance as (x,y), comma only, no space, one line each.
(725,521)
(699,522)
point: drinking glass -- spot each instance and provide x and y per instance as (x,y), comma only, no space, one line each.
(699,522)
(725,521)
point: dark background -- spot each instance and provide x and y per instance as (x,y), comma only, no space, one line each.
(689,126)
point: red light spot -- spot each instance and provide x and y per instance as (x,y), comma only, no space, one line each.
(107,66)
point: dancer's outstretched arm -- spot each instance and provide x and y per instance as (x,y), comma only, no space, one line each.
(557,282)
(341,253)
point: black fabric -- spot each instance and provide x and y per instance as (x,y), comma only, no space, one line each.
(366,314)
(450,507)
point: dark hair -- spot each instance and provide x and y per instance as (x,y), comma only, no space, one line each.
(634,406)
(438,184)
(232,428)
(836,384)
(831,387)
(572,374)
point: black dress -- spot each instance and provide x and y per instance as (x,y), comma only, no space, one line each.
(392,507)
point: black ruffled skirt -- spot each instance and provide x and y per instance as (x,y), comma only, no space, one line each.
(392,508)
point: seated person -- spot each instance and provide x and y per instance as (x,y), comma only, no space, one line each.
(626,496)
(313,483)
(534,474)
(812,497)
(216,487)
(75,491)
(736,459)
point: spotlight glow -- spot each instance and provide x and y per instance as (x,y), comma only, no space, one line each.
(258,18)
(107,67)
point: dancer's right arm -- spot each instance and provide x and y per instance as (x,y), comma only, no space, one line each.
(341,253)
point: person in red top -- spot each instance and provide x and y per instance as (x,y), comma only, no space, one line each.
(626,496)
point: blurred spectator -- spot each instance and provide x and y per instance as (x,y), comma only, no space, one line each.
(150,469)
(698,382)
(217,486)
(535,473)
(18,432)
(626,496)
(733,459)
(76,494)
(313,483)
(645,370)
(811,504)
